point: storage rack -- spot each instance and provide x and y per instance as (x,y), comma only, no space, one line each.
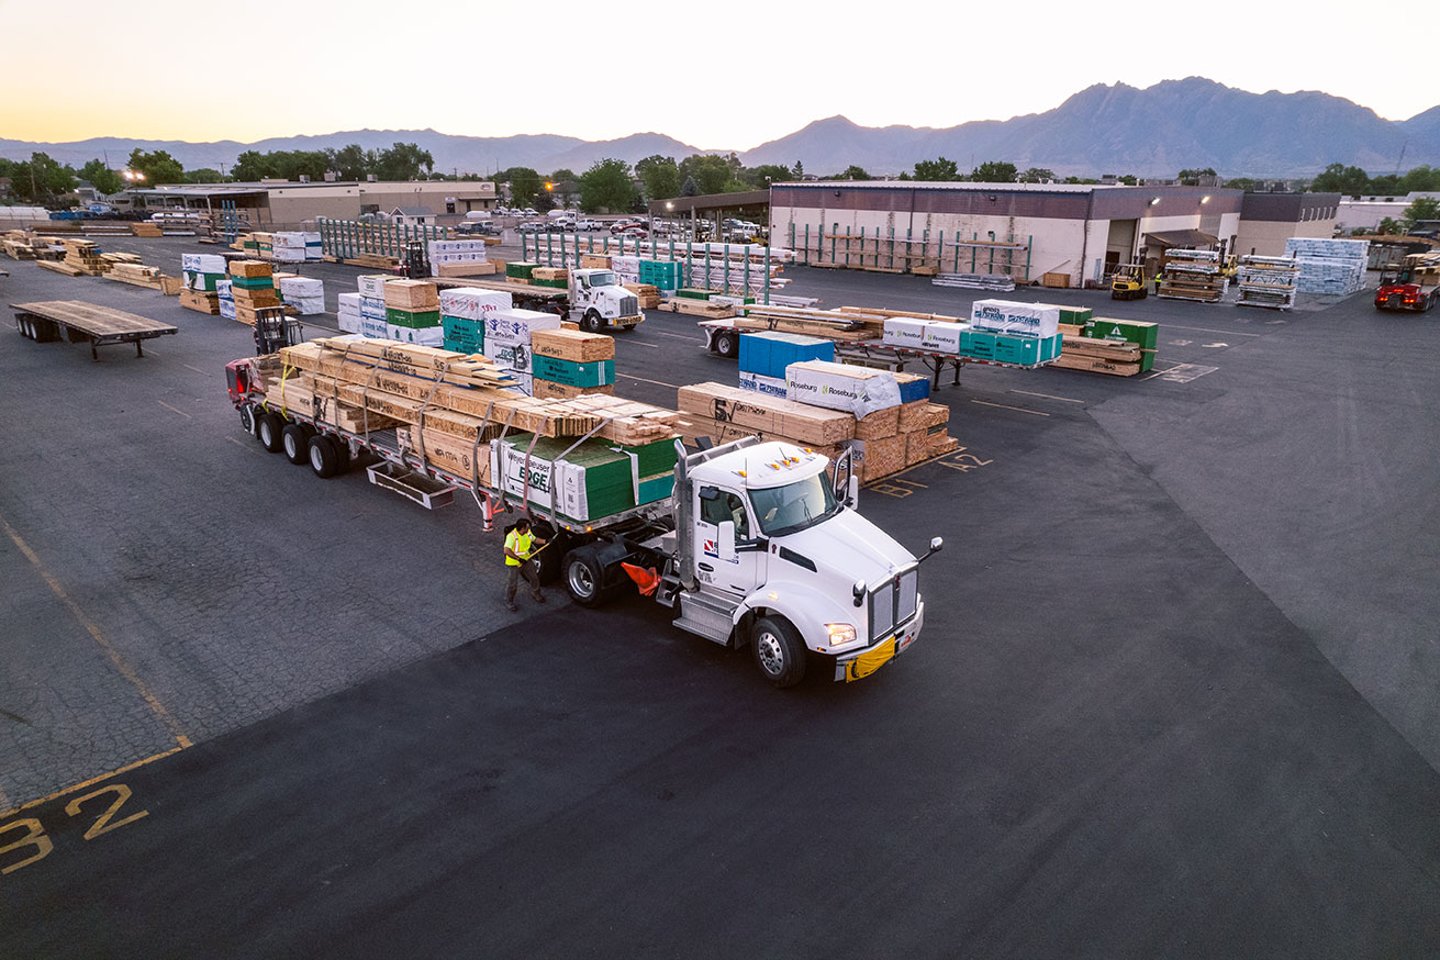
(1267,282)
(1192,275)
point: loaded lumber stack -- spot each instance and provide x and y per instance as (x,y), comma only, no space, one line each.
(84,257)
(252,286)
(1121,348)
(463,312)
(201,274)
(570,363)
(1192,275)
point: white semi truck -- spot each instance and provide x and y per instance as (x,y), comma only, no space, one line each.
(759,544)
(594,298)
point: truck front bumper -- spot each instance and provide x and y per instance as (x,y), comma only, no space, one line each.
(632,321)
(859,664)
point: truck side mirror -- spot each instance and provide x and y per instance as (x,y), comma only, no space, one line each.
(852,495)
(727,541)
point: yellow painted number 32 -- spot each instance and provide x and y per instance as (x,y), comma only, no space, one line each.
(37,845)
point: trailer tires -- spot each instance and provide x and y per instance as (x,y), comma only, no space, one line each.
(267,430)
(324,457)
(727,344)
(779,651)
(591,322)
(295,440)
(583,577)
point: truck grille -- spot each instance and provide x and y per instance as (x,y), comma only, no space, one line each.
(894,602)
(629,306)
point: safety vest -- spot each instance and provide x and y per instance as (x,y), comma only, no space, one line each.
(519,544)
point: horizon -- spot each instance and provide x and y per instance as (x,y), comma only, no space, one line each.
(311,43)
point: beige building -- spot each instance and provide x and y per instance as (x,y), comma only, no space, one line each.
(1026,230)
(1267,220)
(285,204)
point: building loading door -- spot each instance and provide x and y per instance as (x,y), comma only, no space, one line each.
(1121,242)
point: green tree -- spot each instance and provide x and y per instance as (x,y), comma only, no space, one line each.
(157,166)
(1421,178)
(101,177)
(403,161)
(767,173)
(204,175)
(799,170)
(352,162)
(525,185)
(1390,226)
(994,171)
(711,172)
(689,188)
(1191,177)
(937,170)
(854,172)
(563,174)
(1241,183)
(1037,175)
(660,175)
(1338,178)
(1421,208)
(607,186)
(252,165)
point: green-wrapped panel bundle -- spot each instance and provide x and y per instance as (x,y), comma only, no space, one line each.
(253,283)
(414,319)
(520,269)
(591,483)
(692,293)
(572,373)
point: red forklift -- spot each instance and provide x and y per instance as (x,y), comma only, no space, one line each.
(1413,284)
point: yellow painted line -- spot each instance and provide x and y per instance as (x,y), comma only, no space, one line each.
(1006,406)
(658,383)
(1047,396)
(116,659)
(76,787)
(174,409)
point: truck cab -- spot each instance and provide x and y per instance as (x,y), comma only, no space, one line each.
(597,301)
(768,550)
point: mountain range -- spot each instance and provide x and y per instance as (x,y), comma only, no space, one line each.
(1119,129)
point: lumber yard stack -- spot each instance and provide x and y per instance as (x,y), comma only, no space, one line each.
(412,312)
(999,331)
(884,420)
(1121,348)
(449,407)
(22,245)
(293,246)
(1268,282)
(459,258)
(305,294)
(200,275)
(252,286)
(508,341)
(1192,275)
(765,355)
(570,363)
(1329,267)
(146,228)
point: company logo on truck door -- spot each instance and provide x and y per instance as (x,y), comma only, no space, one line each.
(711,549)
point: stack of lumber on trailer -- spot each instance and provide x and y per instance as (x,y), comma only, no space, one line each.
(698,308)
(846,323)
(881,443)
(454,392)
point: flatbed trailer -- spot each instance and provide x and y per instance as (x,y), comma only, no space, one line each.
(722,338)
(49,321)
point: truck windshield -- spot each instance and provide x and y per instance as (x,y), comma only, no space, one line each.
(793,507)
(603,278)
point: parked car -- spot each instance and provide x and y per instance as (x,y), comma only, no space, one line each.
(483,228)
(585,224)
(529,212)
(628,228)
(532,227)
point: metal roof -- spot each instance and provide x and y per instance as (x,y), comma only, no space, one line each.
(949,185)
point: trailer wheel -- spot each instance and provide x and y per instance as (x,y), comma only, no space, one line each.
(295,440)
(727,344)
(584,578)
(591,322)
(324,459)
(779,651)
(268,429)
(342,454)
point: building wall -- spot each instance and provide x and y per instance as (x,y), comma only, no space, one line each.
(1267,238)
(299,203)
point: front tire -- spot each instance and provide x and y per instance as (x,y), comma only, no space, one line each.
(591,322)
(779,651)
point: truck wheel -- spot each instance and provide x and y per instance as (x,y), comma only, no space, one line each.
(295,440)
(591,322)
(342,454)
(779,652)
(727,344)
(583,578)
(549,564)
(267,429)
(324,459)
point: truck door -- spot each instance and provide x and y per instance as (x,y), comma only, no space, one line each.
(729,555)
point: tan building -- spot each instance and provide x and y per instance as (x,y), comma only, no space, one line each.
(1267,220)
(284,204)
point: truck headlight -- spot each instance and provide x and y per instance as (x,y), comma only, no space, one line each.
(840,633)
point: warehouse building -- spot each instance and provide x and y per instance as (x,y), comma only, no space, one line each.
(286,204)
(1063,234)
(1365,213)
(1267,220)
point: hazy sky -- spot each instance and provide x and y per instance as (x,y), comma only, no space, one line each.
(715,75)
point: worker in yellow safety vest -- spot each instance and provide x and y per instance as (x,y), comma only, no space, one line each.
(519,548)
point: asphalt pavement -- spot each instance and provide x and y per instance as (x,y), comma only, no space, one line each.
(1176,695)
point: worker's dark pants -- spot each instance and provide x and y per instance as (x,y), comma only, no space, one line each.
(512,580)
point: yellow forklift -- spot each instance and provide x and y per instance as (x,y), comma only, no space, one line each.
(1129,282)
